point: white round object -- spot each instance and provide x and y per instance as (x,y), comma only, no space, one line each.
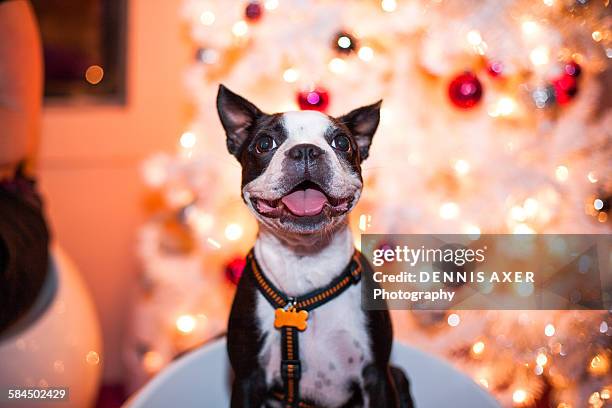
(57,344)
(202,379)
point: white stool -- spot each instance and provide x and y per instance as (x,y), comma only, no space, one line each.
(201,379)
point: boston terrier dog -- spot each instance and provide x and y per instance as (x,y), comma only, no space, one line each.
(301,176)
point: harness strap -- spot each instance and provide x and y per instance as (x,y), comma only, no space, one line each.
(291,315)
(291,368)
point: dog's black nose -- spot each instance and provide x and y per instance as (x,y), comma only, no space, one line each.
(305,151)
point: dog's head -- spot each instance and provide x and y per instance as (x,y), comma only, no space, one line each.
(301,171)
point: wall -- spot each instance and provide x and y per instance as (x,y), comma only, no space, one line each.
(89,165)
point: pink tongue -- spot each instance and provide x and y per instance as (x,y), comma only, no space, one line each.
(305,202)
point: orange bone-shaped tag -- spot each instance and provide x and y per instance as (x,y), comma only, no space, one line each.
(290,318)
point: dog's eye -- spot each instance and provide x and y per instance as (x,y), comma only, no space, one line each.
(341,143)
(265,144)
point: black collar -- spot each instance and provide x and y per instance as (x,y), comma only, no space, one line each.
(311,300)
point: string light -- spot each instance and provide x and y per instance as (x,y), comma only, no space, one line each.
(472,230)
(233,232)
(577,57)
(478,348)
(474,38)
(462,167)
(602,217)
(271,4)
(365,54)
(453,320)
(449,211)
(152,362)
(530,28)
(595,401)
(186,323)
(539,55)
(561,173)
(199,220)
(213,243)
(154,171)
(541,359)
(207,18)
(505,106)
(531,206)
(597,36)
(188,140)
(481,48)
(337,65)
(386,114)
(518,213)
(549,330)
(388,5)
(592,177)
(523,228)
(178,196)
(549,3)
(364,222)
(92,358)
(291,75)
(357,241)
(94,74)
(519,396)
(598,204)
(599,365)
(240,28)
(208,56)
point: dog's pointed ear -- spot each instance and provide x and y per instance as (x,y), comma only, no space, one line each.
(237,115)
(362,122)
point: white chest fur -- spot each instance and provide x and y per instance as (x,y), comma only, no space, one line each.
(333,349)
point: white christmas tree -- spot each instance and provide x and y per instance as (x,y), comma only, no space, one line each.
(494,120)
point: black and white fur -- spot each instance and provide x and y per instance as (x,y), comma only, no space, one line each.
(345,350)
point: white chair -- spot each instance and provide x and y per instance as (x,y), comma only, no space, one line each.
(201,379)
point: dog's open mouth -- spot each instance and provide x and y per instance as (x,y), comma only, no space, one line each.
(304,200)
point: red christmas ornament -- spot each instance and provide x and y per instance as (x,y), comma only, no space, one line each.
(313,99)
(495,69)
(566,88)
(573,69)
(253,11)
(385,246)
(465,90)
(234,268)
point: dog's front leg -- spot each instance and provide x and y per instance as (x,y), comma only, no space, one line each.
(250,391)
(378,387)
